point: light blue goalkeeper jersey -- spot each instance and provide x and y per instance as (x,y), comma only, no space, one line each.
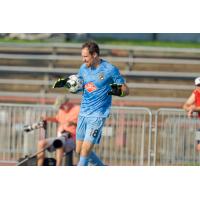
(96,84)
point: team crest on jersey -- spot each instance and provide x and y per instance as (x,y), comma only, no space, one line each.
(101,76)
(90,87)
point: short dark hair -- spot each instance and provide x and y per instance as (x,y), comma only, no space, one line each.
(92,47)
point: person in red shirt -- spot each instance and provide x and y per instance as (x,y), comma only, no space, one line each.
(66,118)
(192,104)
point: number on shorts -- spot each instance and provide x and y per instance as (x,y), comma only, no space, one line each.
(94,133)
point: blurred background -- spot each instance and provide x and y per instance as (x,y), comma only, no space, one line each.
(159,68)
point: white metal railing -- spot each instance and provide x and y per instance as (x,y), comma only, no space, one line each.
(130,137)
(14,142)
(174,139)
(126,138)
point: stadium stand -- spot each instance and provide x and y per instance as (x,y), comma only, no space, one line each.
(158,77)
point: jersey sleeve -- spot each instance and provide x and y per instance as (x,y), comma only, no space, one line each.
(80,72)
(117,77)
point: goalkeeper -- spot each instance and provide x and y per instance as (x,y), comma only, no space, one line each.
(100,80)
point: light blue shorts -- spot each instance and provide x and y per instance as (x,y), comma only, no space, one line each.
(90,129)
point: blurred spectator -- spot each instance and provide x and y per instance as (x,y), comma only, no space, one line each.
(193,105)
(66,118)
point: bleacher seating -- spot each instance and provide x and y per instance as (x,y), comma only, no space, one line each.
(155,75)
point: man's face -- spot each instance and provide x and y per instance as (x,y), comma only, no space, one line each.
(87,58)
(198,87)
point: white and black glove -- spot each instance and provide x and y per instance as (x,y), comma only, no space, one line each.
(61,82)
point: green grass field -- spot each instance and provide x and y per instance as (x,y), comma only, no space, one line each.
(150,43)
(119,42)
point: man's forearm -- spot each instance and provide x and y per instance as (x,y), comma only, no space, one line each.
(188,107)
(196,109)
(125,89)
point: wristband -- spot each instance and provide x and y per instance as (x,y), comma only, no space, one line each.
(122,94)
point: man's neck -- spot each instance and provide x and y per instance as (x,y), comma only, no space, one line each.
(97,63)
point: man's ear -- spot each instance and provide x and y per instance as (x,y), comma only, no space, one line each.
(95,55)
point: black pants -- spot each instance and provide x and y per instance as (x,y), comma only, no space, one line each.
(69,159)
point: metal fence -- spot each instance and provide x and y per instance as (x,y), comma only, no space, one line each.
(14,142)
(130,137)
(126,138)
(175,138)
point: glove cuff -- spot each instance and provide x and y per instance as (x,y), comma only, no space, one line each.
(122,94)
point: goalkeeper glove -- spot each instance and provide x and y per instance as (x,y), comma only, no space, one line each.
(116,89)
(61,82)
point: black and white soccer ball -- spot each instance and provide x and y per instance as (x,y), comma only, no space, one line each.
(75,84)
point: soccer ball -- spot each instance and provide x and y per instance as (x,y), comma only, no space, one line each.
(74,84)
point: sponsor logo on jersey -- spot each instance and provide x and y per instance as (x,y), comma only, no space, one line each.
(90,87)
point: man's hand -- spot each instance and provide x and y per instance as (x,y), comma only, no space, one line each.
(44,121)
(191,109)
(61,82)
(116,90)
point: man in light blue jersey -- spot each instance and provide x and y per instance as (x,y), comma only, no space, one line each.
(100,80)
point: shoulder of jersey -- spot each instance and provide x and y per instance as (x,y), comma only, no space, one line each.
(83,66)
(108,65)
